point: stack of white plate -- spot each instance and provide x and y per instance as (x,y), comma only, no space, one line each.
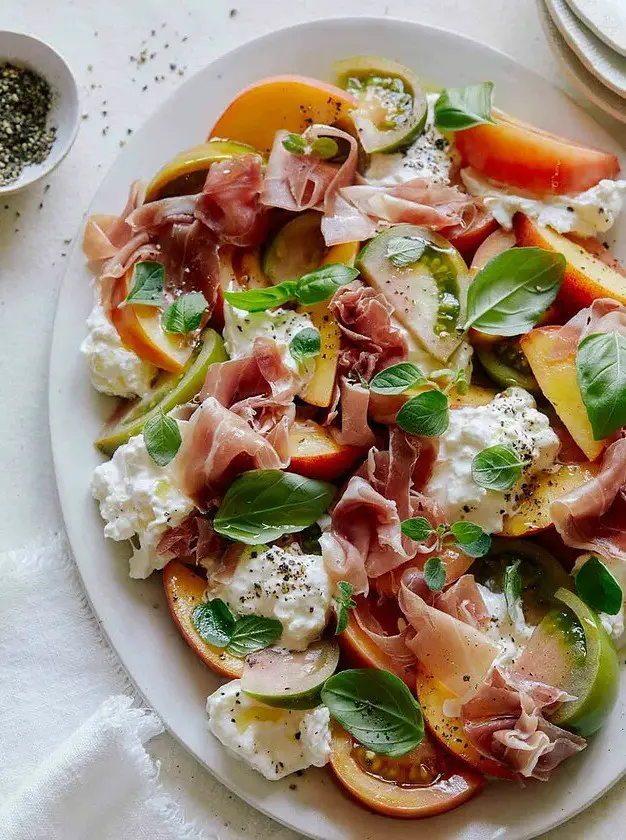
(589,38)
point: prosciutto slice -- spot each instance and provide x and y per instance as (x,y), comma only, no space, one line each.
(179,208)
(603,316)
(592,517)
(354,430)
(505,721)
(230,202)
(305,182)
(453,651)
(401,657)
(365,540)
(418,201)
(219,445)
(192,541)
(371,340)
(105,235)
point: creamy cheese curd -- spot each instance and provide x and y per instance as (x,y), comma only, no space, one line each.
(587,213)
(511,419)
(241,328)
(281,583)
(113,369)
(139,501)
(275,742)
(510,634)
(613,624)
(428,157)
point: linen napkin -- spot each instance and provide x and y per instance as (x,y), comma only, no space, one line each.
(72,761)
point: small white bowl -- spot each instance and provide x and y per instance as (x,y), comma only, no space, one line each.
(30,52)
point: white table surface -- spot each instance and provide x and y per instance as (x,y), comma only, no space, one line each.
(36,227)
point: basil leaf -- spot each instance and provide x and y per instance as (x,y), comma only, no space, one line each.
(471,538)
(601,373)
(324,148)
(322,283)
(252,633)
(263,505)
(305,344)
(425,414)
(598,588)
(148,283)
(511,293)
(397,379)
(418,528)
(185,314)
(497,468)
(343,605)
(434,574)
(462,107)
(377,709)
(512,586)
(214,622)
(258,300)
(162,438)
(295,143)
(405,250)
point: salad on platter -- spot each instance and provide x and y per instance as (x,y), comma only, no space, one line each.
(368,345)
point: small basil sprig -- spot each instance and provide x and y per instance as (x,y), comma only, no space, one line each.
(322,147)
(463,107)
(343,604)
(311,288)
(511,293)
(185,314)
(162,438)
(497,468)
(397,379)
(305,344)
(598,588)
(425,414)
(147,285)
(434,574)
(601,373)
(263,505)
(470,537)
(512,586)
(377,709)
(405,250)
(218,627)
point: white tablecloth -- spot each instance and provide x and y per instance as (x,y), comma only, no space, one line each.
(103,43)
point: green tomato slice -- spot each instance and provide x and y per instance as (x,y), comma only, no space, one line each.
(392,108)
(168,391)
(571,650)
(428,293)
(541,575)
(506,364)
(288,679)
(297,248)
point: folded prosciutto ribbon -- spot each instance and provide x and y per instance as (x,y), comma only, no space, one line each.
(242,423)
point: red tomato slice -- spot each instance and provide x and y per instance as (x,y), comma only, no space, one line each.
(421,784)
(522,156)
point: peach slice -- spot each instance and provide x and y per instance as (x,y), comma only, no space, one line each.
(320,389)
(533,513)
(281,102)
(448,730)
(557,379)
(184,590)
(316,454)
(522,156)
(140,329)
(586,277)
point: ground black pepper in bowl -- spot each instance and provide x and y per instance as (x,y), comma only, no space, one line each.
(25,102)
